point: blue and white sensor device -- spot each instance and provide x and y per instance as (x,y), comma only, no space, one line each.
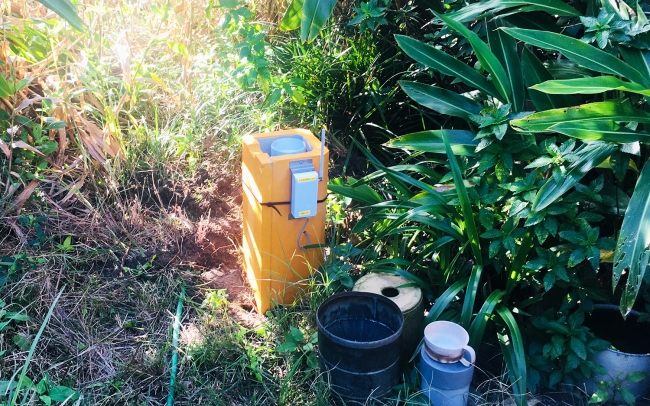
(304,194)
(304,185)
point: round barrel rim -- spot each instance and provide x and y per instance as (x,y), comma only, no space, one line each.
(288,146)
(356,344)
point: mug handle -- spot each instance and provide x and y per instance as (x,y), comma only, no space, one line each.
(472,356)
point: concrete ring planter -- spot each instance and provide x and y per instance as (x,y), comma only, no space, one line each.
(607,323)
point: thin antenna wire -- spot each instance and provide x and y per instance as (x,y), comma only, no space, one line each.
(322,154)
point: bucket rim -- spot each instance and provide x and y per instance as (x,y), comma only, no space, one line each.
(356,344)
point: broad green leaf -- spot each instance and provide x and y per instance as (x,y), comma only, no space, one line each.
(517,268)
(549,281)
(420,216)
(41,388)
(229,4)
(472,11)
(558,344)
(315,14)
(292,16)
(505,49)
(627,396)
(590,155)
(607,131)
(395,178)
(636,376)
(578,347)
(470,296)
(297,97)
(66,10)
(63,393)
(637,58)
(534,73)
(17,316)
(362,193)
(445,63)
(532,21)
(486,218)
(567,69)
(477,328)
(288,346)
(572,362)
(441,100)
(312,361)
(494,248)
(22,342)
(465,205)
(576,319)
(600,396)
(6,89)
(608,110)
(632,248)
(432,203)
(554,378)
(594,85)
(488,61)
(579,52)
(512,346)
(4,326)
(296,334)
(443,301)
(22,83)
(421,169)
(492,233)
(561,273)
(462,142)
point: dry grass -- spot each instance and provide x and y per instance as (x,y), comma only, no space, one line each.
(117,185)
(95,336)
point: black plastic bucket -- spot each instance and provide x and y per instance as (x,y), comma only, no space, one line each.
(359,338)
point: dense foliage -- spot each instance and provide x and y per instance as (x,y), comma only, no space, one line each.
(497,151)
(546,147)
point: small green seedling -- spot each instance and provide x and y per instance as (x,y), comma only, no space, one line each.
(50,394)
(336,269)
(47,392)
(67,245)
(7,317)
(608,390)
(296,343)
(140,268)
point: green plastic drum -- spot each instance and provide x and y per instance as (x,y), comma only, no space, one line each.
(408,299)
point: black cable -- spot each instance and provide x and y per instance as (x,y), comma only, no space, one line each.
(302,231)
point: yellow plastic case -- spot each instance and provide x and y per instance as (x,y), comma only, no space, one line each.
(272,259)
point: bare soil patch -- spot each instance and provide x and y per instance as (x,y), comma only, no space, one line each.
(209,208)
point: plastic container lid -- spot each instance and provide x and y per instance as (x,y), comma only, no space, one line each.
(287,146)
(388,285)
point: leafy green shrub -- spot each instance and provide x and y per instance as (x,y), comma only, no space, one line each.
(559,349)
(537,195)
